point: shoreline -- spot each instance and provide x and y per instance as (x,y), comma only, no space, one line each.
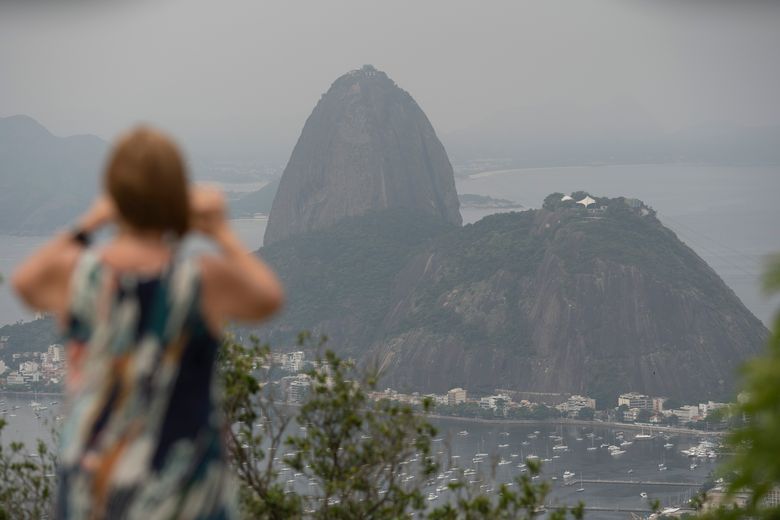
(489,173)
(25,394)
(578,422)
(477,420)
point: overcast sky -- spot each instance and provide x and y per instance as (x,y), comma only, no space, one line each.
(237,78)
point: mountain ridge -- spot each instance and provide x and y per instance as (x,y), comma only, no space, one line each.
(559,299)
(47,180)
(366,146)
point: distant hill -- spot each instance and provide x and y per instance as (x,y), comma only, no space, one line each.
(45,180)
(258,201)
(470,200)
(596,301)
(366,146)
(562,299)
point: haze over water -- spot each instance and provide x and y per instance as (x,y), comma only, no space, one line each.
(728,214)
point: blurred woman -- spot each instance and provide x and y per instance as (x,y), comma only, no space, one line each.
(143,437)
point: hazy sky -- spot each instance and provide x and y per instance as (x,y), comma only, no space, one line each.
(237,78)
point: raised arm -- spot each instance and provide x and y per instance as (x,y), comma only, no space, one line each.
(43,279)
(237,285)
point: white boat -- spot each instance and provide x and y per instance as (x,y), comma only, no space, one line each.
(503,445)
(668,445)
(560,447)
(617,453)
(568,474)
(463,433)
(694,466)
(643,494)
(626,443)
(504,462)
(662,467)
(643,436)
(432,496)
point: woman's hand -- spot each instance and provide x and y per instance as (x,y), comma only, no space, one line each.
(207,208)
(101,212)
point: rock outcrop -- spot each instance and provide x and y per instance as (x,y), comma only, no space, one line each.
(367,146)
(562,299)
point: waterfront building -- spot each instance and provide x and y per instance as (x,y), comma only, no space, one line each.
(438,399)
(56,353)
(456,396)
(631,415)
(635,400)
(658,403)
(298,391)
(14,378)
(719,496)
(772,498)
(575,403)
(28,367)
(293,362)
(295,388)
(494,402)
(686,413)
(705,409)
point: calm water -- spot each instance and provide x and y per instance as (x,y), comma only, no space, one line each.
(641,459)
(501,442)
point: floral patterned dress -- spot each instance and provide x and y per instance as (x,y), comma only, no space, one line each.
(143,437)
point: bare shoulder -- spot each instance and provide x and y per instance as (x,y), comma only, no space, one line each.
(213,269)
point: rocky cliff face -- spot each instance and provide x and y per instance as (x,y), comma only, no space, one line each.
(561,299)
(366,146)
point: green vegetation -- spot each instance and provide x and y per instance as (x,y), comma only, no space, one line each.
(755,467)
(30,336)
(354,451)
(26,480)
(346,271)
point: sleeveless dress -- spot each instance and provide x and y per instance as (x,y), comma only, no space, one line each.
(143,436)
